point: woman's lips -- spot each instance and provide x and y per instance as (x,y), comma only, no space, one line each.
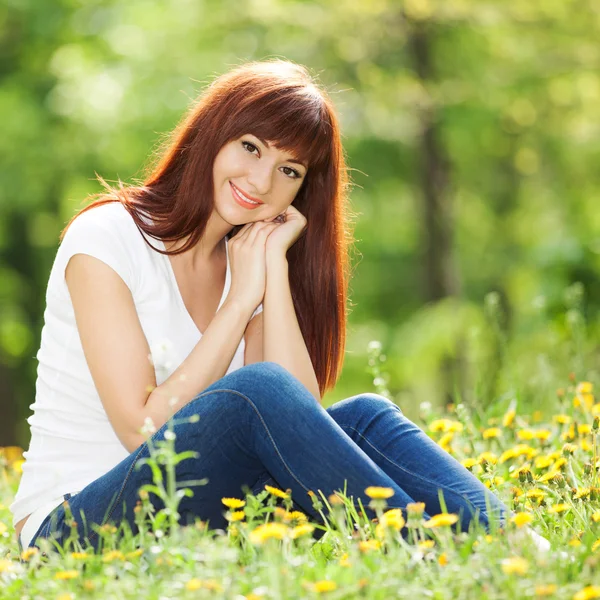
(240,200)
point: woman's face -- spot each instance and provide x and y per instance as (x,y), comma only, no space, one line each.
(248,167)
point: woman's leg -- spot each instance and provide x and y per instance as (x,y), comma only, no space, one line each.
(256,422)
(413,460)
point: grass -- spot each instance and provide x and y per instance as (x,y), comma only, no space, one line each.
(544,468)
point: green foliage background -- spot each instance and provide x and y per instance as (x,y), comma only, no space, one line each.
(472,128)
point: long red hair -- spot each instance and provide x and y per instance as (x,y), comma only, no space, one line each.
(277,101)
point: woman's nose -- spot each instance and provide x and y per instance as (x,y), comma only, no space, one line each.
(260,179)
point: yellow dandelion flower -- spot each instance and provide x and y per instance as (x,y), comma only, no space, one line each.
(324,586)
(298,515)
(583,492)
(113,555)
(589,592)
(28,553)
(445,440)
(595,545)
(426,544)
(276,492)
(71,574)
(79,555)
(596,409)
(233,502)
(584,387)
(300,530)
(443,559)
(345,561)
(596,516)
(267,531)
(569,449)
(543,462)
(558,508)
(535,493)
(545,590)
(515,565)
(469,463)
(509,417)
(562,419)
(575,542)
(487,457)
(586,446)
(415,508)
(379,492)
(441,520)
(368,545)
(584,429)
(543,435)
(193,584)
(491,432)
(525,434)
(446,425)
(237,515)
(521,519)
(393,518)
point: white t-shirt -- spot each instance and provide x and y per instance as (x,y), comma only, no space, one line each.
(72,441)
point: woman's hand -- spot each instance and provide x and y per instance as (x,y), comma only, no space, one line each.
(286,233)
(247,254)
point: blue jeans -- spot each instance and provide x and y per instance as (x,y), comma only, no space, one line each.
(260,425)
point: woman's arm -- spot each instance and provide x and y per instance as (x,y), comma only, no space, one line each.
(283,340)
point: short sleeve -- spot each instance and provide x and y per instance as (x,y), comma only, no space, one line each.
(259,309)
(93,233)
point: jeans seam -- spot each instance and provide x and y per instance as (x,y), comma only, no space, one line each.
(93,534)
(264,425)
(416,475)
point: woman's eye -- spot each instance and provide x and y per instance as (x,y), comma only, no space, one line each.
(252,147)
(295,173)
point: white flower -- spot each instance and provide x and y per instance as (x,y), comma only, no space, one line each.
(170,435)
(148,426)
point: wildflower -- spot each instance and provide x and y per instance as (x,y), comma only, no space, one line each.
(584,428)
(543,435)
(575,542)
(79,555)
(588,593)
(583,492)
(521,519)
(393,518)
(28,553)
(535,493)
(595,545)
(525,434)
(543,462)
(487,457)
(426,544)
(569,449)
(298,515)
(276,492)
(233,502)
(584,387)
(113,555)
(545,590)
(443,559)
(237,515)
(596,516)
(562,419)
(301,530)
(368,545)
(324,586)
(379,492)
(492,432)
(469,463)
(446,425)
(515,566)
(345,561)
(415,508)
(193,584)
(444,441)
(558,508)
(441,520)
(72,574)
(509,417)
(268,530)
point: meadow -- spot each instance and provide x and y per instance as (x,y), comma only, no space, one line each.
(544,467)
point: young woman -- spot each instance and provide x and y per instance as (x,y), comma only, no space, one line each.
(228,269)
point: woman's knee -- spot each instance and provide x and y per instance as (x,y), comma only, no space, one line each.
(366,403)
(264,384)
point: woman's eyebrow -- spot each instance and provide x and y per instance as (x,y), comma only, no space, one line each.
(292,160)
